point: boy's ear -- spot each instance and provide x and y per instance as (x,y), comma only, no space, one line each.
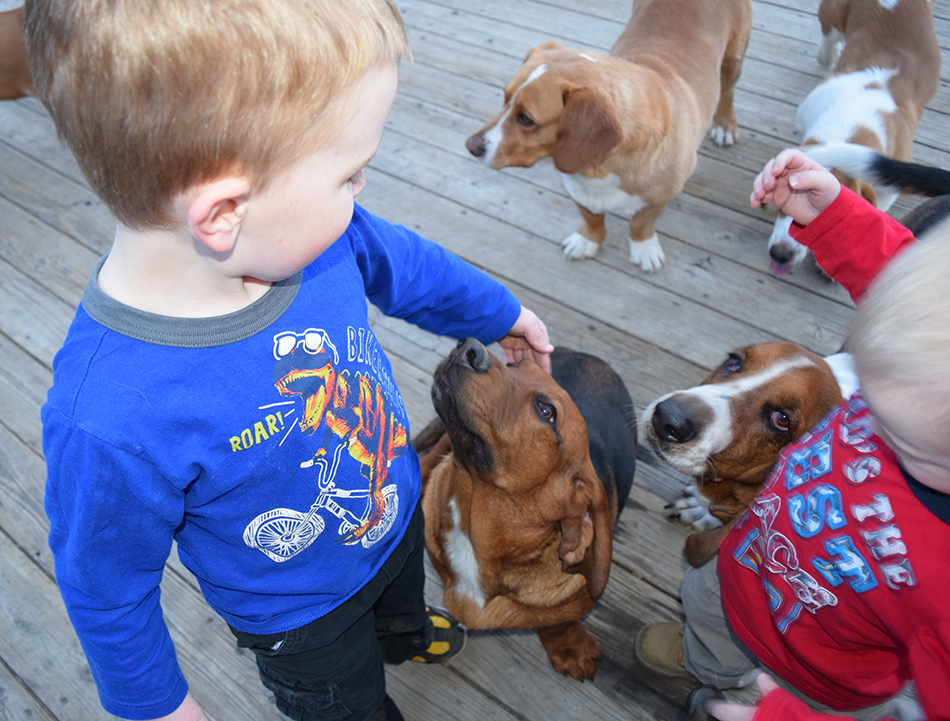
(216,213)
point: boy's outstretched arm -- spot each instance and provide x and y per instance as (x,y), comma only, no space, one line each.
(796,185)
(528,340)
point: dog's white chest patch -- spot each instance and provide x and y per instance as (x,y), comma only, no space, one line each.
(462,560)
(840,105)
(601,195)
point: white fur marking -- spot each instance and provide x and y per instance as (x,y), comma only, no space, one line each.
(647,253)
(461,559)
(842,366)
(836,108)
(576,247)
(780,236)
(601,195)
(831,46)
(494,136)
(587,57)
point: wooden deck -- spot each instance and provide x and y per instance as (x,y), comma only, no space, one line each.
(660,332)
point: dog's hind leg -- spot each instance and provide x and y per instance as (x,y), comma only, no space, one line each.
(725,129)
(571,649)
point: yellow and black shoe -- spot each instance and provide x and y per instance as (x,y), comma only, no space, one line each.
(444,637)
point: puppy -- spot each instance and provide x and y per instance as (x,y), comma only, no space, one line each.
(15,78)
(884,76)
(623,129)
(727,432)
(524,476)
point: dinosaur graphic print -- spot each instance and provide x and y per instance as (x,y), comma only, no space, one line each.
(348,412)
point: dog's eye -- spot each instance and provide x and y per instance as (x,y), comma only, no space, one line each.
(524,120)
(546,411)
(781,421)
(732,363)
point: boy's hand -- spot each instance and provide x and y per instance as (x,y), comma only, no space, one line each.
(528,340)
(728,711)
(795,184)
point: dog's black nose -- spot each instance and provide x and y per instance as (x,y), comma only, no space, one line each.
(473,354)
(782,253)
(476,145)
(671,422)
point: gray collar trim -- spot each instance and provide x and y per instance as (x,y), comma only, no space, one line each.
(188,332)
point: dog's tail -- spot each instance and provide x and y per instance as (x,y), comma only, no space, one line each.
(865,164)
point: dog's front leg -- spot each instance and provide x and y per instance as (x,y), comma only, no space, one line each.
(571,649)
(586,240)
(645,249)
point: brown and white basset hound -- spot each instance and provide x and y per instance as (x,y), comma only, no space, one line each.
(884,76)
(623,128)
(15,78)
(728,431)
(524,475)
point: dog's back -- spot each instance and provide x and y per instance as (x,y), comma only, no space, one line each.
(607,408)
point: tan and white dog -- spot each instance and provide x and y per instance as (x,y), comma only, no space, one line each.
(623,128)
(884,76)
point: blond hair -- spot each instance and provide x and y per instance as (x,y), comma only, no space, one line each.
(900,334)
(156,96)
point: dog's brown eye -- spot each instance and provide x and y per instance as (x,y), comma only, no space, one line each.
(546,411)
(524,120)
(781,421)
(732,363)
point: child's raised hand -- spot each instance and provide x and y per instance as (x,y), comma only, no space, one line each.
(528,340)
(795,184)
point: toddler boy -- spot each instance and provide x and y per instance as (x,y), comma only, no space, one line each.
(836,578)
(220,385)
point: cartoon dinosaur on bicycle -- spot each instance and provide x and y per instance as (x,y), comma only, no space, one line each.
(352,408)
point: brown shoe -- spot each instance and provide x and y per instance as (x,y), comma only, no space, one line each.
(659,647)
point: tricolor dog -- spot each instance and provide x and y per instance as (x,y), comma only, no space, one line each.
(883,78)
(524,475)
(623,128)
(727,432)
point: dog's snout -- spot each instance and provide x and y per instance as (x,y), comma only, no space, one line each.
(476,145)
(672,422)
(782,253)
(474,354)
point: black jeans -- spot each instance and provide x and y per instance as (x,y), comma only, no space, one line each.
(332,668)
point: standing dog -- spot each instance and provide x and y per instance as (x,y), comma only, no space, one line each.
(624,128)
(728,431)
(523,481)
(885,75)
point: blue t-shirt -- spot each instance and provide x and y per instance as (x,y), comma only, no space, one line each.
(271,444)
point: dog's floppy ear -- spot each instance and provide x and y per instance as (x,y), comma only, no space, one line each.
(587,131)
(587,532)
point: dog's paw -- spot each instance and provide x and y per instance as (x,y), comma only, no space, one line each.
(571,649)
(690,511)
(830,49)
(576,246)
(723,137)
(647,254)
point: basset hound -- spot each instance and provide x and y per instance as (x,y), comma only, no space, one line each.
(623,128)
(887,61)
(728,431)
(524,475)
